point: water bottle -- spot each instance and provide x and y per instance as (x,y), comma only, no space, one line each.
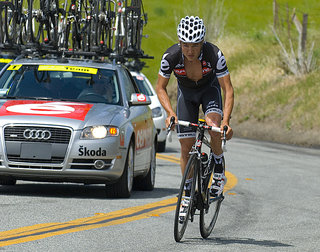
(204,160)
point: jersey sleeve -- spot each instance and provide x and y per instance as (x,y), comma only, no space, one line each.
(221,65)
(167,62)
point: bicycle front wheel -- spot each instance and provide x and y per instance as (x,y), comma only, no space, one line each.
(209,214)
(180,222)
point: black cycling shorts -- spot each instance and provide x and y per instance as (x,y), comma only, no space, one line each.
(189,101)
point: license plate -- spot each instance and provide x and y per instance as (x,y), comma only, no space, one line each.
(36,151)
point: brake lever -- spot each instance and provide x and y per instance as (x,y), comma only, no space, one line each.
(169,131)
(224,139)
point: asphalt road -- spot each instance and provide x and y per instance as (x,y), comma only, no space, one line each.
(272,205)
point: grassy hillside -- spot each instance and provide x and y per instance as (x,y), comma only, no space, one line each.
(270,103)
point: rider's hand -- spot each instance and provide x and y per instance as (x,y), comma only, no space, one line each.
(168,121)
(229,133)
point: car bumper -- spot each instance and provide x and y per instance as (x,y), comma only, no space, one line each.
(78,164)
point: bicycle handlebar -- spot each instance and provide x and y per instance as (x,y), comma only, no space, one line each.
(189,124)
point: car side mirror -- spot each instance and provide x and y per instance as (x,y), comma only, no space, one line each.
(138,99)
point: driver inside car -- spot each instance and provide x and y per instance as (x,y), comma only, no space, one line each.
(100,87)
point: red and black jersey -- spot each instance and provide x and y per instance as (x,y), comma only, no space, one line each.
(212,60)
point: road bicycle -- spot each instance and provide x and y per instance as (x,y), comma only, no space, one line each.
(13,21)
(135,20)
(199,170)
(105,13)
(43,18)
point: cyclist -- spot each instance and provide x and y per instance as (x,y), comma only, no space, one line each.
(201,71)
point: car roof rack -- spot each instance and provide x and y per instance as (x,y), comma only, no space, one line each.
(111,32)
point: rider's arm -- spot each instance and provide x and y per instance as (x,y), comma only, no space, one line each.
(226,85)
(161,89)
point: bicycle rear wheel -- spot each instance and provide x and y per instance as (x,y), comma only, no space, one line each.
(210,212)
(191,171)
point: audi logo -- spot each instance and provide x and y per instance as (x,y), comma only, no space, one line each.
(37,134)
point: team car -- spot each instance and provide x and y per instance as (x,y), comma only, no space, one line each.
(158,113)
(81,121)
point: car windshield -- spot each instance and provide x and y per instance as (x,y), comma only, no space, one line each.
(143,85)
(84,84)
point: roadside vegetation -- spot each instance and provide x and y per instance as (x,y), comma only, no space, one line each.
(271,103)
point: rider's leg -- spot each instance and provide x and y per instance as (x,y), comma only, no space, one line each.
(214,119)
(217,158)
(186,144)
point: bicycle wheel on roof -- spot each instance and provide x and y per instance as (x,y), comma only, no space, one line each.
(104,27)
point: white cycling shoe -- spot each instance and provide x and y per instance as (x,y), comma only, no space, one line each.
(217,186)
(183,209)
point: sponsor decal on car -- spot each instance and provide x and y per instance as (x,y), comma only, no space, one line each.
(141,97)
(139,77)
(14,67)
(85,152)
(3,60)
(70,110)
(88,70)
(143,138)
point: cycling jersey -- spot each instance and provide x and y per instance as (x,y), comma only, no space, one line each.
(212,60)
(192,94)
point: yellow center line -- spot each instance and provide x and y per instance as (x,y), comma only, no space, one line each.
(41,231)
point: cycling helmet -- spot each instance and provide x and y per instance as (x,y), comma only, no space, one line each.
(191,30)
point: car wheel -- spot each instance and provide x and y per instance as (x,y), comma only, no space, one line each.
(7,181)
(123,187)
(147,183)
(161,146)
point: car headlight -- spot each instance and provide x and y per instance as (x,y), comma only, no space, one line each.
(99,132)
(156,112)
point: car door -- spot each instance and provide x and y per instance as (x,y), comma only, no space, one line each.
(142,123)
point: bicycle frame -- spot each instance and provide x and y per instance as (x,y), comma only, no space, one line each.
(204,172)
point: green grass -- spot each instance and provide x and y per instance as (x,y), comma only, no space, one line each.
(264,91)
(249,18)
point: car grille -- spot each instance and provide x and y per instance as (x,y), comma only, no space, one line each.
(58,135)
(53,160)
(37,150)
(41,167)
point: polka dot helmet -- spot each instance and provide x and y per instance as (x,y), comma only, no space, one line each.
(191,30)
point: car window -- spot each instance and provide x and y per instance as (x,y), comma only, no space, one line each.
(130,85)
(60,82)
(143,85)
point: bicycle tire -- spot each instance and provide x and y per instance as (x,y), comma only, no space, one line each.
(209,214)
(35,25)
(133,15)
(10,24)
(191,167)
(120,31)
(62,26)
(2,29)
(99,24)
(111,16)
(86,26)
(52,23)
(21,9)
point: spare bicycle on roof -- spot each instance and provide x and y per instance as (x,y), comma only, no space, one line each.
(74,28)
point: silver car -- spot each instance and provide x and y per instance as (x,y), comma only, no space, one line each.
(81,121)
